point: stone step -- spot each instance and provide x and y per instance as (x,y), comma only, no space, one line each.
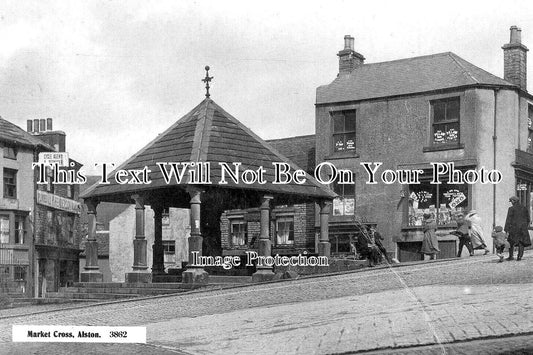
(166,279)
(48,300)
(214,279)
(165,285)
(90,296)
(121,290)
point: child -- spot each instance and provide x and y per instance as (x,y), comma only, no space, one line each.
(499,237)
(463,232)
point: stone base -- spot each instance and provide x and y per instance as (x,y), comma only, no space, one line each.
(174,271)
(91,276)
(262,275)
(138,277)
(195,276)
(324,249)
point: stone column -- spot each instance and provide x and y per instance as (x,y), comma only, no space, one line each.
(324,246)
(91,271)
(264,273)
(140,272)
(158,266)
(195,273)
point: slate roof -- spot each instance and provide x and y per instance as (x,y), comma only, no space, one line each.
(103,244)
(407,76)
(210,134)
(300,149)
(13,134)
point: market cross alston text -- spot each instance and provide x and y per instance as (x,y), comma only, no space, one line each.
(325,173)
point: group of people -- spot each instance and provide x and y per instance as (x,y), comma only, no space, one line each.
(369,245)
(470,233)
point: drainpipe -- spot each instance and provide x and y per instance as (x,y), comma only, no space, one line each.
(494,138)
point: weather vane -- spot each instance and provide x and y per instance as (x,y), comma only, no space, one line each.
(206,80)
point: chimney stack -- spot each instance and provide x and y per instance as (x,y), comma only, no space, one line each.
(348,58)
(43,129)
(515,59)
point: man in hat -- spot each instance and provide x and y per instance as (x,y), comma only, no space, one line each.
(516,225)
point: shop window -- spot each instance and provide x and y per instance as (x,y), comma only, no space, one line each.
(443,201)
(344,205)
(445,121)
(530,128)
(10,183)
(343,130)
(19,273)
(19,230)
(4,229)
(238,232)
(524,191)
(10,152)
(285,231)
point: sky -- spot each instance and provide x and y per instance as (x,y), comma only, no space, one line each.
(114,74)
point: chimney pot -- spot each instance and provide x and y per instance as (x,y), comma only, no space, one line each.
(49,124)
(516,35)
(42,125)
(36,125)
(29,126)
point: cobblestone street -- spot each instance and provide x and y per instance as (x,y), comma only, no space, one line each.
(416,305)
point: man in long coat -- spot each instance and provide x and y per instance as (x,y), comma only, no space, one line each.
(516,225)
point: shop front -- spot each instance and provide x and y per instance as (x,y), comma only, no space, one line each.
(444,202)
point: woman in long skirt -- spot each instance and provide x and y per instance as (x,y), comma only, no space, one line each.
(430,244)
(476,232)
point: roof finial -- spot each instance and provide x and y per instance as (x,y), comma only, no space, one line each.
(206,80)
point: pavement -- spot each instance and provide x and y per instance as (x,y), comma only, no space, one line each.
(432,307)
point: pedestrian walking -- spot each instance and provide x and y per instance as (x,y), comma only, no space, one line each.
(500,241)
(516,225)
(476,232)
(463,233)
(430,244)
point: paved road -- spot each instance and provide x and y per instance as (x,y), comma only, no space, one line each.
(416,305)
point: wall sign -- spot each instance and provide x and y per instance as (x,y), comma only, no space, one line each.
(57,202)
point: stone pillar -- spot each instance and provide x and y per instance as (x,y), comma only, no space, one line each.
(91,271)
(140,268)
(264,273)
(195,274)
(158,266)
(324,246)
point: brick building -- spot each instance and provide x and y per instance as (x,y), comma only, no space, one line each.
(57,230)
(293,228)
(19,151)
